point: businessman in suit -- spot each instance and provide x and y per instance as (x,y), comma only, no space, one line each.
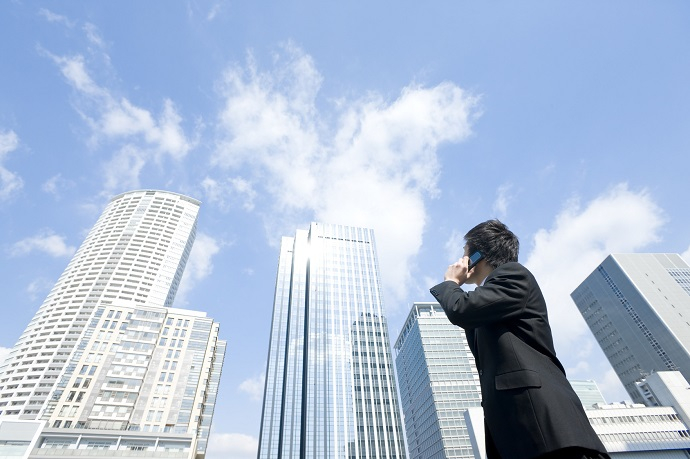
(530,409)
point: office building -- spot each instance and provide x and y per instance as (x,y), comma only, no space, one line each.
(588,392)
(142,378)
(438,384)
(330,387)
(667,388)
(18,437)
(627,430)
(638,308)
(635,431)
(100,349)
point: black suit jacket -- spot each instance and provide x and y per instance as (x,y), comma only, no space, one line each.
(529,406)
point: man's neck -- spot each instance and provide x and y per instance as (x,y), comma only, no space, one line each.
(483,273)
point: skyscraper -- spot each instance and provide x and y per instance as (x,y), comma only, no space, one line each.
(330,388)
(106,363)
(136,253)
(438,383)
(150,371)
(638,308)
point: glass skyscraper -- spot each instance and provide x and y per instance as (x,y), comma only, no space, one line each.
(638,308)
(438,383)
(330,386)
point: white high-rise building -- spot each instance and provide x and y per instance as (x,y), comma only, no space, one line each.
(142,378)
(638,308)
(134,254)
(106,363)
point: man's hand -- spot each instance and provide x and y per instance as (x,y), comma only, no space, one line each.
(457,272)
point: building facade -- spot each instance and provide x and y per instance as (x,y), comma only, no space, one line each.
(142,378)
(667,388)
(588,392)
(635,431)
(438,384)
(330,387)
(105,354)
(638,308)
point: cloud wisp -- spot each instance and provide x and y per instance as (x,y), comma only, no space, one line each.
(45,241)
(10,182)
(503,200)
(254,387)
(56,18)
(619,220)
(56,184)
(137,135)
(373,164)
(199,265)
(235,445)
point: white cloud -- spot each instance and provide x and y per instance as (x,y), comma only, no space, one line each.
(39,288)
(56,184)
(213,12)
(54,17)
(137,135)
(93,35)
(620,220)
(581,367)
(199,265)
(503,199)
(122,171)
(45,241)
(10,182)
(234,445)
(612,388)
(234,191)
(455,246)
(254,387)
(73,68)
(373,165)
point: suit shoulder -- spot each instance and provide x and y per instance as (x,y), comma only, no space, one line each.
(512,271)
(512,267)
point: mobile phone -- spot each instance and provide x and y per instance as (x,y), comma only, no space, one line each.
(475,258)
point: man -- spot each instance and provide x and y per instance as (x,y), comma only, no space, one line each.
(530,409)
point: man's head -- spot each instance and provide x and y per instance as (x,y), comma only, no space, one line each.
(495,241)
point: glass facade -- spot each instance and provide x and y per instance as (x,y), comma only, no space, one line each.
(638,308)
(588,392)
(330,388)
(438,383)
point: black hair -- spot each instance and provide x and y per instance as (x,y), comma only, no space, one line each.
(495,241)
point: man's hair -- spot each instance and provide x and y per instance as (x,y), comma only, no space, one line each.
(495,241)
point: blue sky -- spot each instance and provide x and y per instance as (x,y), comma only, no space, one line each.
(570,121)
